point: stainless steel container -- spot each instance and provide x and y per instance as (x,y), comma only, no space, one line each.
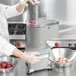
(63,53)
(9,60)
(36,36)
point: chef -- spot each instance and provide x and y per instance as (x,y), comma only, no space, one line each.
(6,48)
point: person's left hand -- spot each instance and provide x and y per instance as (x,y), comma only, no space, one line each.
(31,57)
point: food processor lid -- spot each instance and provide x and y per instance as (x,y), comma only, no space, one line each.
(42,22)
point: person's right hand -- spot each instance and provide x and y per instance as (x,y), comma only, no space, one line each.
(32,1)
(31,57)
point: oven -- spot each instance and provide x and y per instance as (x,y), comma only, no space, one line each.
(17,32)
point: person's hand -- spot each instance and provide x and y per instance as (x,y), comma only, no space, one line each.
(32,1)
(25,2)
(31,57)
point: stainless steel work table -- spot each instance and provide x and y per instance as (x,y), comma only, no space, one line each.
(20,70)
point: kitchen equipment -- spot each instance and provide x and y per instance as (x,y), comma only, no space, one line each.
(17,32)
(43,64)
(68,47)
(9,60)
(38,30)
(33,13)
(37,35)
(67,53)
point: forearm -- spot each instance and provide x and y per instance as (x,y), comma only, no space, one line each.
(29,57)
(22,4)
(13,11)
(20,7)
(18,53)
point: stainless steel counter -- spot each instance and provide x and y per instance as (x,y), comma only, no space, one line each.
(20,70)
(67,32)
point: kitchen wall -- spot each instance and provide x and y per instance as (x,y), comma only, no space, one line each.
(58,9)
(71,12)
(62,10)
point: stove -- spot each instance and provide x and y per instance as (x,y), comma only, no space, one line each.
(17,28)
(17,32)
(62,43)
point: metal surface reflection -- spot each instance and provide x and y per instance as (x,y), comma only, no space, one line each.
(21,68)
(7,73)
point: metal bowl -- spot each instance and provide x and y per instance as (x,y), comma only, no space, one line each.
(63,53)
(9,60)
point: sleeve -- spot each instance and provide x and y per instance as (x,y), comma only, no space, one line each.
(10,11)
(5,47)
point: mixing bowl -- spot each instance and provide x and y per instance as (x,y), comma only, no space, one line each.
(9,60)
(67,53)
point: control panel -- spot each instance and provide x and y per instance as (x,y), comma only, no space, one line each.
(62,43)
(18,43)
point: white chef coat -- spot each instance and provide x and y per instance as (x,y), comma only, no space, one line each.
(5,13)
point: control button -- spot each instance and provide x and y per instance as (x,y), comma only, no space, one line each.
(69,44)
(74,44)
(31,21)
(18,44)
(14,43)
(57,44)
